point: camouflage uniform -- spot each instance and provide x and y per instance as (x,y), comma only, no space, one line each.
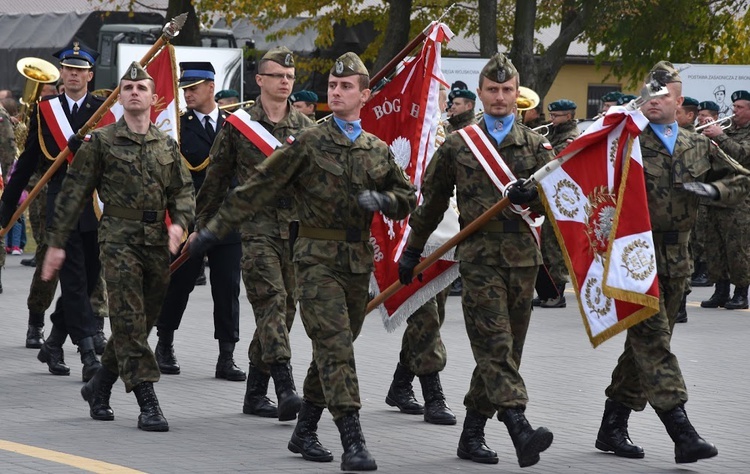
(138,177)
(498,265)
(333,256)
(7,156)
(41,293)
(457,122)
(266,261)
(647,371)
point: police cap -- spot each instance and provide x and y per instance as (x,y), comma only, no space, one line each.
(76,55)
(195,72)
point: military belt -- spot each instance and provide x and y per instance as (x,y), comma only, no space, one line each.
(349,235)
(507,226)
(672,237)
(148,217)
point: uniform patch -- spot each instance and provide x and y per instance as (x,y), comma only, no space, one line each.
(570,140)
(547,146)
(290,139)
(87,138)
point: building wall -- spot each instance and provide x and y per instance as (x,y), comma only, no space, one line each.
(573,81)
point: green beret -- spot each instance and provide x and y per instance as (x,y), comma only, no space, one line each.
(226,93)
(499,69)
(664,72)
(280,55)
(135,72)
(740,95)
(462,93)
(626,98)
(612,96)
(689,101)
(709,105)
(304,96)
(348,64)
(562,104)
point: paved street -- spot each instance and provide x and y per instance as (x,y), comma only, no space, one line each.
(208,432)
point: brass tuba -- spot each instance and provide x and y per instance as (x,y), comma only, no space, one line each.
(527,99)
(37,72)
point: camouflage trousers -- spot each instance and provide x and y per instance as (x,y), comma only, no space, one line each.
(497,310)
(41,293)
(422,348)
(552,255)
(728,244)
(137,277)
(647,370)
(332,305)
(698,234)
(268,273)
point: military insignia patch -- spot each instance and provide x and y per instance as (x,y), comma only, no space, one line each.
(547,146)
(133,73)
(288,61)
(76,48)
(87,138)
(290,139)
(339,67)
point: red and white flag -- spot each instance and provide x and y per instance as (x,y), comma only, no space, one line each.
(165,113)
(598,206)
(405,114)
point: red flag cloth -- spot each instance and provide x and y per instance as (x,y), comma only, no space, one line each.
(405,115)
(597,203)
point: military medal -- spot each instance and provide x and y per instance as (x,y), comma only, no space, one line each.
(668,131)
(349,128)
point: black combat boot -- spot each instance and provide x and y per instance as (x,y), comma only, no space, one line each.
(688,446)
(356,457)
(29,262)
(305,437)
(151,417)
(256,401)
(720,296)
(700,275)
(613,433)
(1,277)
(529,442)
(436,411)
(401,393)
(286,392)
(100,340)
(739,300)
(557,301)
(97,392)
(166,359)
(682,312)
(225,366)
(52,354)
(537,301)
(35,332)
(91,364)
(472,445)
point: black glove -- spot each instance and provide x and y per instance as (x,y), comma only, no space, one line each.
(409,259)
(518,194)
(373,201)
(703,190)
(6,212)
(74,143)
(202,242)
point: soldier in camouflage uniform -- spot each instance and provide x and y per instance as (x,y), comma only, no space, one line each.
(498,264)
(552,277)
(305,102)
(678,166)
(461,110)
(139,175)
(339,175)
(7,155)
(267,268)
(728,242)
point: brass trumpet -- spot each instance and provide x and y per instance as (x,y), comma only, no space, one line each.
(724,123)
(238,104)
(545,127)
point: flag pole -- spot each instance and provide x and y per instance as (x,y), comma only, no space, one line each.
(651,90)
(170,30)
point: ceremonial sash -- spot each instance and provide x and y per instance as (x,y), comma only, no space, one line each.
(57,123)
(254,131)
(499,173)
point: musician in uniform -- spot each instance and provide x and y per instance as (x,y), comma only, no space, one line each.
(198,129)
(498,264)
(687,113)
(461,111)
(305,101)
(228,100)
(79,275)
(608,100)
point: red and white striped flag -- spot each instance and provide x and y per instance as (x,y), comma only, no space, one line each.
(405,115)
(598,206)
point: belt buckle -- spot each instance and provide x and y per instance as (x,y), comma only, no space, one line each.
(353,235)
(149,217)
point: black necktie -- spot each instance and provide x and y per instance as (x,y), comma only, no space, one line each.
(209,128)
(74,112)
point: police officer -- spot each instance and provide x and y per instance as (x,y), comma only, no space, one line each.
(501,260)
(267,268)
(461,110)
(139,175)
(198,128)
(73,313)
(226,99)
(7,156)
(647,371)
(340,175)
(305,101)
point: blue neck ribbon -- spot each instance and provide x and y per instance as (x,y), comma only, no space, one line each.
(499,127)
(667,133)
(350,129)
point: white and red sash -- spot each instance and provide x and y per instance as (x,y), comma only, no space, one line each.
(57,123)
(499,173)
(254,131)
